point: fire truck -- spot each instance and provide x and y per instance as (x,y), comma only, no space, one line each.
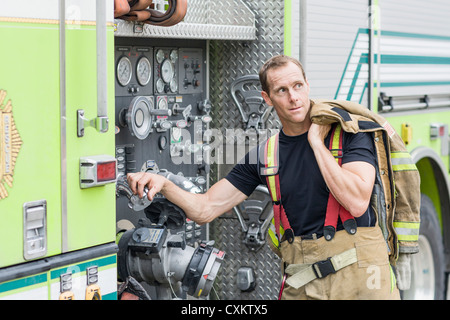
(87,97)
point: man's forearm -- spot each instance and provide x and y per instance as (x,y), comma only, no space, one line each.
(194,205)
(202,208)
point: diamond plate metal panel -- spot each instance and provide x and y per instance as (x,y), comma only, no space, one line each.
(266,265)
(228,61)
(226,19)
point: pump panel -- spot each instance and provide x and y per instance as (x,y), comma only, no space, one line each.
(161,114)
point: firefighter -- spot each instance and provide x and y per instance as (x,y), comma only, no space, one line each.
(352,265)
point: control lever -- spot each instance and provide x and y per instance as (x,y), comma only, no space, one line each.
(204,106)
(161,112)
(134,202)
(138,204)
(257,225)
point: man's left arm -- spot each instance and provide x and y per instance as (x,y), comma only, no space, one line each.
(350,184)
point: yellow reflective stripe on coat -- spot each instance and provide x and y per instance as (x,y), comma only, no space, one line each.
(402,161)
(335,145)
(393,279)
(407,231)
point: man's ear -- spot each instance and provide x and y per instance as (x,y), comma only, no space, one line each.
(266,98)
(307,83)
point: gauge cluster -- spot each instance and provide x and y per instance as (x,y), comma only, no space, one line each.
(161,112)
(134,70)
(166,79)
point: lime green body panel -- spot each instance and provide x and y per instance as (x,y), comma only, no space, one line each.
(90,212)
(30,74)
(29,64)
(420,123)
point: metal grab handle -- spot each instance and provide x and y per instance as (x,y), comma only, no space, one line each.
(102,64)
(257,112)
(257,225)
(101,122)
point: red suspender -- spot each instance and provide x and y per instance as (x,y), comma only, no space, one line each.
(334,209)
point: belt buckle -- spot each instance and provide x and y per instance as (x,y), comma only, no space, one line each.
(323,268)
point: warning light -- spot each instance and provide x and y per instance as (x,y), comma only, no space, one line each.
(106,171)
(437,130)
(97,171)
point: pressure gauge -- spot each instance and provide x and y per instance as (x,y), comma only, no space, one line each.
(123,71)
(160,86)
(167,71)
(143,71)
(162,104)
(159,55)
(173,56)
(173,85)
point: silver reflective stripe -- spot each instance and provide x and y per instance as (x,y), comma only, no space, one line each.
(407,231)
(402,161)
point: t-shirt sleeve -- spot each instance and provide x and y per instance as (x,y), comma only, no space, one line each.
(244,175)
(359,147)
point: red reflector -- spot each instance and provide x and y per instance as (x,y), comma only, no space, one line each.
(441,131)
(106,171)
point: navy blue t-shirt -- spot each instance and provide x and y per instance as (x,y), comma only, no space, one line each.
(304,193)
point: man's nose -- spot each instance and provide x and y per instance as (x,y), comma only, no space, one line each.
(294,95)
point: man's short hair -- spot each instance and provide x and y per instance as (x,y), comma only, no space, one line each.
(273,63)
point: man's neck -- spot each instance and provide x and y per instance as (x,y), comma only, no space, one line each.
(296,129)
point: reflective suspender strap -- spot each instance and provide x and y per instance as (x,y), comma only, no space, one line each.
(334,208)
(301,274)
(273,184)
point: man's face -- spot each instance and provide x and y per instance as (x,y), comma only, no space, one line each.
(289,95)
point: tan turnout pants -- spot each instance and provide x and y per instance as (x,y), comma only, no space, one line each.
(370,278)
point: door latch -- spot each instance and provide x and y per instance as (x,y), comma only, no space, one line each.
(99,123)
(34,229)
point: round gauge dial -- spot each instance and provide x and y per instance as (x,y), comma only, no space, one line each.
(162,104)
(160,86)
(143,71)
(167,71)
(123,71)
(159,55)
(173,85)
(173,56)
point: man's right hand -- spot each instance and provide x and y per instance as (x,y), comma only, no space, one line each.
(138,181)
